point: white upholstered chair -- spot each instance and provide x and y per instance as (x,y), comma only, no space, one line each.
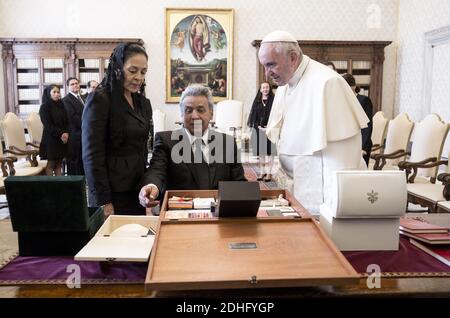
(428,140)
(380,124)
(431,195)
(35,127)
(422,166)
(228,117)
(159,120)
(7,166)
(397,140)
(16,145)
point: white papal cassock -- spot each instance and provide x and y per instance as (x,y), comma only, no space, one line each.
(316,123)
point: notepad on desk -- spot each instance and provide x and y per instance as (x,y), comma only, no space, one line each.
(430,238)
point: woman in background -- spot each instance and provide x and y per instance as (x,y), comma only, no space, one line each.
(257,120)
(366,104)
(53,145)
(115,129)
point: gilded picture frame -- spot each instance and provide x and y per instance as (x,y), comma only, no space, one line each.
(199,50)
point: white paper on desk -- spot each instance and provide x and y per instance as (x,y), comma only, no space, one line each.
(290,213)
(203,203)
(186,214)
(274,202)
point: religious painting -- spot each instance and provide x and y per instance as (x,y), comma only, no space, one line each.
(199,50)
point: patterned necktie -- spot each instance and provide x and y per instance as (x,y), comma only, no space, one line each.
(200,165)
(198,153)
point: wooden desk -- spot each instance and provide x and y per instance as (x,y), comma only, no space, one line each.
(390,287)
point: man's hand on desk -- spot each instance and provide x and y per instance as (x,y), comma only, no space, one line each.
(148,195)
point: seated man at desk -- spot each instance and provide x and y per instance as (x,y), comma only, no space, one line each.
(194,157)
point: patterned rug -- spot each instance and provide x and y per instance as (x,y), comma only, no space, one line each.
(251,172)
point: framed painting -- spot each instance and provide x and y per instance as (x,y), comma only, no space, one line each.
(199,50)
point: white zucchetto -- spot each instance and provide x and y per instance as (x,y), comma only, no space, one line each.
(279,36)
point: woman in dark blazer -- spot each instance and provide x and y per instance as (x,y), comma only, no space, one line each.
(53,145)
(366,104)
(257,121)
(116,125)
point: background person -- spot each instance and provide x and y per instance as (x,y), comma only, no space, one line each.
(257,120)
(366,104)
(55,136)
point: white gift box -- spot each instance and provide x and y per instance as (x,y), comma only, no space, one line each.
(365,210)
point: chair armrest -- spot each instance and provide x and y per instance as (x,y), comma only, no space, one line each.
(382,158)
(445,179)
(3,166)
(426,163)
(31,154)
(33,144)
(376,147)
(8,161)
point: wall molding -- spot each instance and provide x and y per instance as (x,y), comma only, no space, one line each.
(433,39)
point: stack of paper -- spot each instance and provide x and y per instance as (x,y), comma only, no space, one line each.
(420,226)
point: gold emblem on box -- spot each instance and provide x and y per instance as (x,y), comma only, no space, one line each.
(372,196)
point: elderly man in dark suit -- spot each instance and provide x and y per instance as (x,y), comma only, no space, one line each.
(74,105)
(193,157)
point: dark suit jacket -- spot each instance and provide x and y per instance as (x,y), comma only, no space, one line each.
(168,175)
(74,111)
(110,169)
(366,133)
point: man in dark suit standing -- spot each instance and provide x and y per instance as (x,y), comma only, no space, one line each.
(90,88)
(193,157)
(74,104)
(366,104)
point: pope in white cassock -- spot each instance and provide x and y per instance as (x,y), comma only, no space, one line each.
(316,120)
